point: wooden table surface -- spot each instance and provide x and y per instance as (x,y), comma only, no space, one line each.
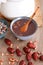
(17,43)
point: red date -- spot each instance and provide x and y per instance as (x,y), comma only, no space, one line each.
(41,57)
(30,63)
(28,56)
(35,55)
(7,41)
(10,50)
(18,52)
(26,49)
(31,45)
(22,62)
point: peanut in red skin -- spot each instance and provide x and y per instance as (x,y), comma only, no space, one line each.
(22,62)
(31,45)
(30,63)
(41,58)
(7,41)
(10,50)
(26,49)
(18,52)
(28,56)
(35,56)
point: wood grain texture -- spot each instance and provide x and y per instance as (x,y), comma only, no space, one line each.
(17,43)
(38,16)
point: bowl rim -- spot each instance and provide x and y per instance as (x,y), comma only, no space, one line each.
(18,18)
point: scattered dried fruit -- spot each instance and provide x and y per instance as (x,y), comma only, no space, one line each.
(22,62)
(30,63)
(26,49)
(2,54)
(11,59)
(29,56)
(1,63)
(17,39)
(3,28)
(31,45)
(11,45)
(7,41)
(41,57)
(1,60)
(35,55)
(11,63)
(18,52)
(11,50)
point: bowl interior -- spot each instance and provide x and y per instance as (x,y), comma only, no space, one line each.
(15,20)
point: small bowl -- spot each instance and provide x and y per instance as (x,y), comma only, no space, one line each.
(23,37)
(5,22)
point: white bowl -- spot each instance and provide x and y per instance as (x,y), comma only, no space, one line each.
(17,8)
(23,37)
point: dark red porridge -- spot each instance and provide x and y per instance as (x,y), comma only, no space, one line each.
(16,27)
